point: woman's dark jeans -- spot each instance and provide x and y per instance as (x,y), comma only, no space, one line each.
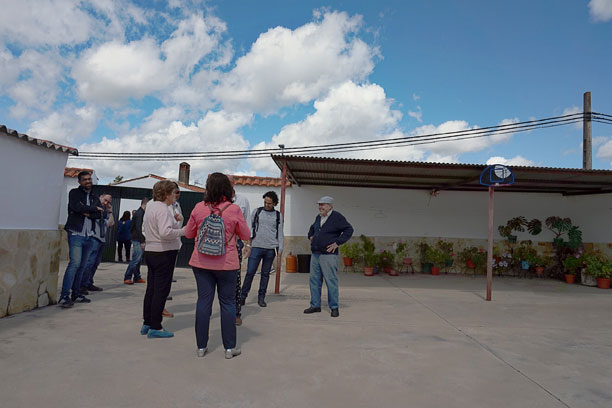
(159,281)
(225,281)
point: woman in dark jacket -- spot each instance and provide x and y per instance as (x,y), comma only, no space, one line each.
(123,236)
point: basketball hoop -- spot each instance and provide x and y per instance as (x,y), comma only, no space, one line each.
(497,175)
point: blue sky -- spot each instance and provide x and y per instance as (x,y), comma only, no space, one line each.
(189,75)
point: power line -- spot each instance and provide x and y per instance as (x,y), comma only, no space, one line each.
(489,131)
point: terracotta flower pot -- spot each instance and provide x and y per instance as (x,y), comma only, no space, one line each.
(388,270)
(603,283)
(539,271)
(347,261)
(435,271)
(393,272)
(569,278)
(368,270)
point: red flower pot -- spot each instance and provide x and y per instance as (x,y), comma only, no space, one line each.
(388,270)
(435,271)
(368,270)
(470,264)
(347,261)
(569,278)
(539,271)
(393,272)
(603,283)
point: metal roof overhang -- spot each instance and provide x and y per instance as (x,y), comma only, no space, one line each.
(305,170)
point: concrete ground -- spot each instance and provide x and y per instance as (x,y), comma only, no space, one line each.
(409,341)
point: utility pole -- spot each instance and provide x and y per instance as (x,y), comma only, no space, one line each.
(587,140)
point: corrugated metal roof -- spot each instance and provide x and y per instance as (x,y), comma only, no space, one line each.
(40,142)
(305,170)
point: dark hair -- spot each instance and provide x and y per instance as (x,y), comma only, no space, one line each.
(218,188)
(83,174)
(271,195)
(126,216)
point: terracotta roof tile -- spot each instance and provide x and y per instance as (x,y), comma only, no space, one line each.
(258,181)
(40,142)
(74,171)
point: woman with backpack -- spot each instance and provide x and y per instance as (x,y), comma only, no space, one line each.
(123,236)
(217,223)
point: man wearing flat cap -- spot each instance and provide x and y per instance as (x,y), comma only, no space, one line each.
(329,230)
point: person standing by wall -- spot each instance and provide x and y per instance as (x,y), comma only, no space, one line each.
(104,223)
(266,240)
(123,236)
(132,273)
(329,230)
(84,208)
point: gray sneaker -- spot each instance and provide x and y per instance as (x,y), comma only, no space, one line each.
(229,353)
(202,351)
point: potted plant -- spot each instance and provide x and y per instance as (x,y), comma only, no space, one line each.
(370,258)
(567,240)
(385,262)
(466,256)
(351,252)
(526,254)
(480,259)
(541,262)
(519,224)
(447,250)
(400,254)
(603,278)
(502,263)
(570,266)
(592,263)
(424,252)
(437,257)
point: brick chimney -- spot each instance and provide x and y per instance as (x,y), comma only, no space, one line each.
(184,172)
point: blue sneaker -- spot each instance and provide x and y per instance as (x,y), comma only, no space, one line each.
(144,329)
(159,334)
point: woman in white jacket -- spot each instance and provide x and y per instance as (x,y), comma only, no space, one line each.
(162,234)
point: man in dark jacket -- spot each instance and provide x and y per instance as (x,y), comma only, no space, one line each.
(83,209)
(132,273)
(329,230)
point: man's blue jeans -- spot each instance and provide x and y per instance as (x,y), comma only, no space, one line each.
(79,249)
(324,266)
(133,268)
(257,254)
(92,263)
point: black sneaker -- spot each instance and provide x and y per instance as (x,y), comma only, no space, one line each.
(94,288)
(312,310)
(84,291)
(82,299)
(262,303)
(65,303)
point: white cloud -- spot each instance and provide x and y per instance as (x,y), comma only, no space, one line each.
(51,22)
(415,97)
(601,10)
(115,72)
(38,88)
(216,131)
(286,66)
(516,161)
(67,126)
(605,148)
(572,110)
(418,115)
(349,113)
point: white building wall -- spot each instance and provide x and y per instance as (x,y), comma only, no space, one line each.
(450,214)
(32,187)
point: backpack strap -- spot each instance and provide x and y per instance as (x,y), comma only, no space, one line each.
(277,222)
(255,225)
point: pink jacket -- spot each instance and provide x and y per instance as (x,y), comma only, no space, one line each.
(235,226)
